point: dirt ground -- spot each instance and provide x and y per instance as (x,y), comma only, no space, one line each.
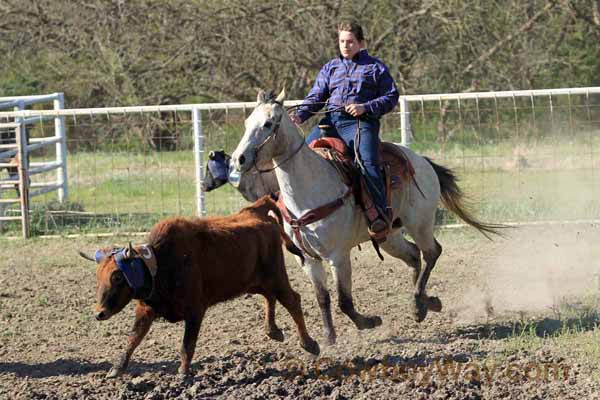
(51,347)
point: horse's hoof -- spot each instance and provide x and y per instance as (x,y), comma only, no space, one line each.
(276,335)
(184,372)
(312,347)
(370,323)
(434,304)
(420,311)
(375,321)
(114,372)
(330,338)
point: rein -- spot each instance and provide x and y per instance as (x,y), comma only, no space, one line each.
(276,131)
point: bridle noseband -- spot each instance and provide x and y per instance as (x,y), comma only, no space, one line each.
(270,137)
(275,131)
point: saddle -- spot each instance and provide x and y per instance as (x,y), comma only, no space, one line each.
(397,169)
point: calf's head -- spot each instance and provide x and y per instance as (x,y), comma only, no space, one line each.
(121,276)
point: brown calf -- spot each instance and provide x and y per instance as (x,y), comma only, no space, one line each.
(199,262)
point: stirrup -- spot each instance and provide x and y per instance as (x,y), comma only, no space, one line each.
(379,229)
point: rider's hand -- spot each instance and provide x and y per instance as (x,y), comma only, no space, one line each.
(295,119)
(355,110)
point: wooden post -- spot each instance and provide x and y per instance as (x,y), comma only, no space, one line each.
(23,178)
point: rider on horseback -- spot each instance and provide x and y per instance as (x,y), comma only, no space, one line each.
(357,89)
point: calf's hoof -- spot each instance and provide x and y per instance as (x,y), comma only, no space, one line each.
(434,304)
(311,346)
(276,334)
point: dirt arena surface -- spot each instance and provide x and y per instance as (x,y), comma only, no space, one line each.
(500,300)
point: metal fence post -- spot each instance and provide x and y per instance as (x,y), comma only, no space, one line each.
(61,150)
(23,164)
(404,122)
(198,159)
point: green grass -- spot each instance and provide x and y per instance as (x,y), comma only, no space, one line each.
(508,181)
(571,330)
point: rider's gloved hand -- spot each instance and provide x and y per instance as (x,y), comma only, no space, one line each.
(355,110)
(295,119)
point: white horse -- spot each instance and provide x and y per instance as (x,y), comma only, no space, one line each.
(307,181)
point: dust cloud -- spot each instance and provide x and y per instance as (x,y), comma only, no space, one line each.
(533,270)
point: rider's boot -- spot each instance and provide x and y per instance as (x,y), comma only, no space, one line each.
(379,223)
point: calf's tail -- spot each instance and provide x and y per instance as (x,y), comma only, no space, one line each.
(287,241)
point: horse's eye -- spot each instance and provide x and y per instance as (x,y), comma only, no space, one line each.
(268,124)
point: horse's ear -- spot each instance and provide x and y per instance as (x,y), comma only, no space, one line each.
(260,97)
(281,97)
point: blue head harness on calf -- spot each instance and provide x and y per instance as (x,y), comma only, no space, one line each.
(134,271)
(139,276)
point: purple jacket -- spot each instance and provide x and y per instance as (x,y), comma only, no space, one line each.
(362,80)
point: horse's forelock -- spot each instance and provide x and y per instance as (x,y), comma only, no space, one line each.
(266,97)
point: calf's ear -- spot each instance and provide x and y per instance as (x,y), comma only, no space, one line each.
(87,257)
(97,257)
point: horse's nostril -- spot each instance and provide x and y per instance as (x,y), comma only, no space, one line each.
(242,159)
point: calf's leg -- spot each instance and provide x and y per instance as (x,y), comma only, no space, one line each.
(280,288)
(144,316)
(271,328)
(291,301)
(190,336)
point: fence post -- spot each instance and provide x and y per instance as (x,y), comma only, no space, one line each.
(199,160)
(61,149)
(23,164)
(404,122)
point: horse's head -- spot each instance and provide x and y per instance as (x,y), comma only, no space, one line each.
(262,140)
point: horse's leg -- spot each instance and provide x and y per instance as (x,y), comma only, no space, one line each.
(314,269)
(431,250)
(397,246)
(342,274)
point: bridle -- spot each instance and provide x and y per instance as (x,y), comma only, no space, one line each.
(275,131)
(270,137)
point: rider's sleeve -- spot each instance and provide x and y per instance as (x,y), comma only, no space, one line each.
(387,93)
(315,100)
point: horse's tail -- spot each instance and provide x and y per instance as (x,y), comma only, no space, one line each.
(454,200)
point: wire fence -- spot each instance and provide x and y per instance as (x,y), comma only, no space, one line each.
(520,159)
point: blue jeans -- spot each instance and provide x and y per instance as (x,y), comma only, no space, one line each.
(344,127)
